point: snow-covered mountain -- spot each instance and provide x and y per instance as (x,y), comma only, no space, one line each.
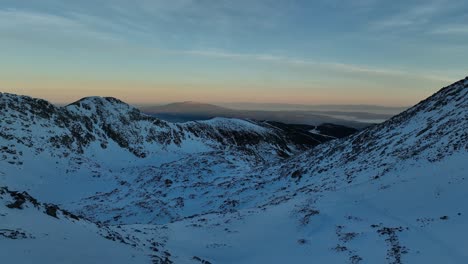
(97,122)
(233,191)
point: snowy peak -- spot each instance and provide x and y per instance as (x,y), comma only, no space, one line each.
(98,100)
(100,105)
(445,99)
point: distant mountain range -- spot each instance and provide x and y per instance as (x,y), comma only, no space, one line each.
(352,116)
(376,109)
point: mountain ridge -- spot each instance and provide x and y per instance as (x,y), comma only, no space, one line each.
(102,121)
(184,112)
(186,106)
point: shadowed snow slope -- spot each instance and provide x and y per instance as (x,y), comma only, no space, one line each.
(236,191)
(32,232)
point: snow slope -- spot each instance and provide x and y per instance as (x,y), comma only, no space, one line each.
(389,222)
(32,232)
(233,191)
(394,193)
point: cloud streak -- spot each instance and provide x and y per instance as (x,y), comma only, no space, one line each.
(422,15)
(417,15)
(297,62)
(208,14)
(451,30)
(72,27)
(47,26)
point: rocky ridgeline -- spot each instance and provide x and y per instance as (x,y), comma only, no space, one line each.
(72,129)
(431,130)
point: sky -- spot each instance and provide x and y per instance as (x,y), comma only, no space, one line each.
(392,53)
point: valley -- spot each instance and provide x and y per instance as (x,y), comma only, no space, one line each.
(100,179)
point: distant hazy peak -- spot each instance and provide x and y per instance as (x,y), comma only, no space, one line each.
(187,106)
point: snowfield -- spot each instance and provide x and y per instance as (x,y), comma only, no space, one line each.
(130,188)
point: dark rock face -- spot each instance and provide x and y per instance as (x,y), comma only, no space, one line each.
(14,234)
(395,250)
(22,199)
(19,199)
(51,210)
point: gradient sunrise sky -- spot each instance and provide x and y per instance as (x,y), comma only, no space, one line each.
(286,51)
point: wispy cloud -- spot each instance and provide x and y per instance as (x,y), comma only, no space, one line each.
(27,24)
(54,27)
(215,14)
(451,30)
(421,15)
(297,62)
(410,17)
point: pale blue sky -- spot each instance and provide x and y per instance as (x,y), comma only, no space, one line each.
(296,51)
